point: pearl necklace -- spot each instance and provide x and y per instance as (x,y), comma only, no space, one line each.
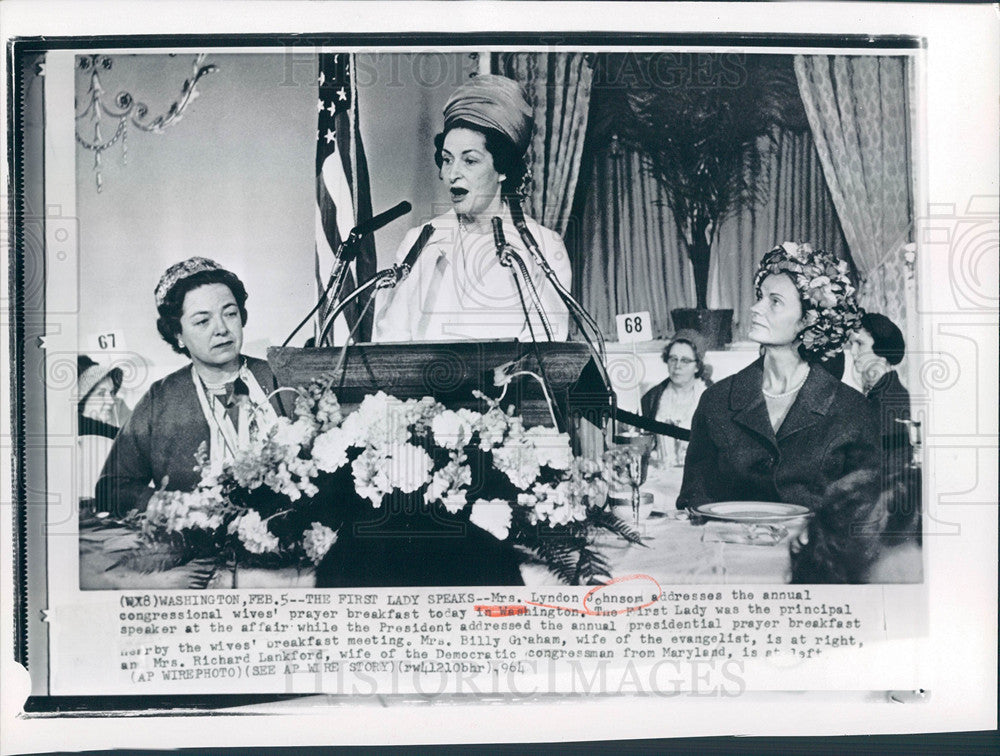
(470,227)
(794,390)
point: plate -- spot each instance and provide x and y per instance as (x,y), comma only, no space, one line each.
(752,511)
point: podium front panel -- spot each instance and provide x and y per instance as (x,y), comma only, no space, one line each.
(452,371)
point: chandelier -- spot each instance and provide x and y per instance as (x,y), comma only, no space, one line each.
(125,110)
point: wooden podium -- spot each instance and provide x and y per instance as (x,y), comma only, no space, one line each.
(450,371)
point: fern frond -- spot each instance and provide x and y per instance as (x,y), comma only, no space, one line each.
(153,556)
(610,521)
(201,572)
(591,567)
(560,557)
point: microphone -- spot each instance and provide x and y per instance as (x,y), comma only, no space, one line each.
(384,279)
(349,248)
(517,215)
(579,313)
(509,258)
(498,237)
(382,219)
(503,251)
(415,250)
(346,254)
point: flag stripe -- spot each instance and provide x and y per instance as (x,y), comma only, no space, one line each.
(342,190)
(328,220)
(335,192)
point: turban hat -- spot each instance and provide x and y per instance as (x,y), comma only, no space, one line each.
(493,102)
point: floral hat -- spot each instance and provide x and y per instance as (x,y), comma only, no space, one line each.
(179,271)
(829,305)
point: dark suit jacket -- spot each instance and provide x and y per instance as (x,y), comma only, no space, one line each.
(890,400)
(651,399)
(735,455)
(160,440)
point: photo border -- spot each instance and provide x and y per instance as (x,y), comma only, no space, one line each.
(151,41)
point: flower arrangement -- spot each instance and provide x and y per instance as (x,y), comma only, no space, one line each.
(829,304)
(290,497)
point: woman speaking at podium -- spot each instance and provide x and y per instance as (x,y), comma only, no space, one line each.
(459,288)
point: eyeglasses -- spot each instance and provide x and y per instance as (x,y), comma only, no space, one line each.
(680,361)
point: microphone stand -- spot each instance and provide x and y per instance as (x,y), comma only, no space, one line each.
(347,342)
(384,279)
(580,315)
(334,286)
(346,253)
(578,311)
(508,258)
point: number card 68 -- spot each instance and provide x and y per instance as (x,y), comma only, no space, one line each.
(634,326)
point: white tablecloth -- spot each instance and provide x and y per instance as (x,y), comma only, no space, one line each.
(102,549)
(674,550)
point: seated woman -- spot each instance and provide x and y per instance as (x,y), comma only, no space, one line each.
(100,410)
(877,346)
(100,413)
(674,400)
(770,432)
(220,399)
(458,288)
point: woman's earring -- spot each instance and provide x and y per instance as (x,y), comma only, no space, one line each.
(180,343)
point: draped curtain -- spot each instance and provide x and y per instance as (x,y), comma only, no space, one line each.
(858,112)
(633,258)
(798,208)
(557,86)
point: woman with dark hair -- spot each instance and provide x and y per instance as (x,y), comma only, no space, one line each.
(877,347)
(458,288)
(770,432)
(221,399)
(674,400)
(842,542)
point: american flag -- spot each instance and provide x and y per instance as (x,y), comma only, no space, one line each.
(343,196)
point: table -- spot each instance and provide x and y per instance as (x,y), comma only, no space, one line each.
(674,551)
(101,548)
(677,550)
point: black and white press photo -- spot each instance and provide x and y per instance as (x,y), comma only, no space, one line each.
(648,361)
(461,419)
